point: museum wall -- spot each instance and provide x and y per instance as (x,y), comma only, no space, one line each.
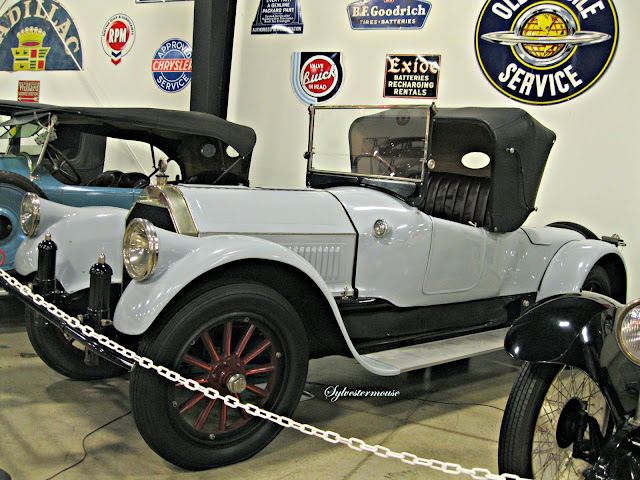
(592,174)
(92,76)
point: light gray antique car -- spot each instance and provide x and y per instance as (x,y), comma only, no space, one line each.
(405,250)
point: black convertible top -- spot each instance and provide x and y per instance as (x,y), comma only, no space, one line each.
(164,129)
(518,146)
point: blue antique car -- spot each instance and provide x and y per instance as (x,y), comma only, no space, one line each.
(59,154)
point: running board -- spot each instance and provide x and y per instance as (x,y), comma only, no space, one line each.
(395,362)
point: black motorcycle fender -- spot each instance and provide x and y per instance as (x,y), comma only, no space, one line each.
(554,329)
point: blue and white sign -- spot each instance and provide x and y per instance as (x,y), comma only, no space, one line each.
(278,16)
(171,65)
(545,52)
(388,14)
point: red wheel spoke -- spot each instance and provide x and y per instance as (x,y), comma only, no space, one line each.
(243,413)
(263,369)
(226,339)
(222,421)
(257,351)
(258,390)
(208,343)
(197,380)
(189,404)
(244,340)
(204,414)
(197,362)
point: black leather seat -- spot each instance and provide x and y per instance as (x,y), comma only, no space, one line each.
(116,178)
(459,198)
(133,180)
(110,178)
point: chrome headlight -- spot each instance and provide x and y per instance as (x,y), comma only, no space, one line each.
(140,249)
(628,330)
(30,214)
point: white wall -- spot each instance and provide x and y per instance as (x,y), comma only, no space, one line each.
(592,174)
(102,84)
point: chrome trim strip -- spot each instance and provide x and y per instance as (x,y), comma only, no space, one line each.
(264,234)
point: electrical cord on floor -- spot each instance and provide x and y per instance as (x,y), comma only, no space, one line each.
(462,404)
(83,446)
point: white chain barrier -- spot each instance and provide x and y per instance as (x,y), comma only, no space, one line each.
(328,435)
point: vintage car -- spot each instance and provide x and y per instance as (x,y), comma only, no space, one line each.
(574,410)
(399,261)
(60,155)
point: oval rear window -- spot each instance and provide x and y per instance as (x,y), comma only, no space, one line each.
(475,160)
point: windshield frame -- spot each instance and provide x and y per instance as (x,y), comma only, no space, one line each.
(313,109)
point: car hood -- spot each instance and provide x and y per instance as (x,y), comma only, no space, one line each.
(261,211)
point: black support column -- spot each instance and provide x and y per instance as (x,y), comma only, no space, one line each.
(213,28)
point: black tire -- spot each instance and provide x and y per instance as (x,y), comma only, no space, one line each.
(598,281)
(196,433)
(12,189)
(64,354)
(538,413)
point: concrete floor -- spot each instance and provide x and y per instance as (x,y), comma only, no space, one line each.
(450,413)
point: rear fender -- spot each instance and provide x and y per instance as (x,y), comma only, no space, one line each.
(554,330)
(571,264)
(189,258)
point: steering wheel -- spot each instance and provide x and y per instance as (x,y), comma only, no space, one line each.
(61,164)
(374,156)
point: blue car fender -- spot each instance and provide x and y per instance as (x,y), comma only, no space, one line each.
(571,264)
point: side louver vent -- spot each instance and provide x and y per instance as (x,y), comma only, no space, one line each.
(325,259)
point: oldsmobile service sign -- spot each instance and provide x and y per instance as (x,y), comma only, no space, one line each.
(545,52)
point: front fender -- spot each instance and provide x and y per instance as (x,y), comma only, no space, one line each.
(571,264)
(189,258)
(551,331)
(81,235)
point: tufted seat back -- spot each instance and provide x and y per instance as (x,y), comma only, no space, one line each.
(459,198)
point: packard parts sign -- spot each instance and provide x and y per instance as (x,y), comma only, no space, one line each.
(37,36)
(388,14)
(276,16)
(545,52)
(411,76)
(316,76)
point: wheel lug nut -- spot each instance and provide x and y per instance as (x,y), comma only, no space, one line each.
(212,436)
(236,383)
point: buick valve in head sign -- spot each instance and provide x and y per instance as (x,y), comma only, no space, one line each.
(316,76)
(39,36)
(545,52)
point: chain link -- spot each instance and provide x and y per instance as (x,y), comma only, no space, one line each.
(233,402)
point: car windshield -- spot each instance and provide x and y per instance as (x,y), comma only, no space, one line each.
(380,142)
(28,133)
